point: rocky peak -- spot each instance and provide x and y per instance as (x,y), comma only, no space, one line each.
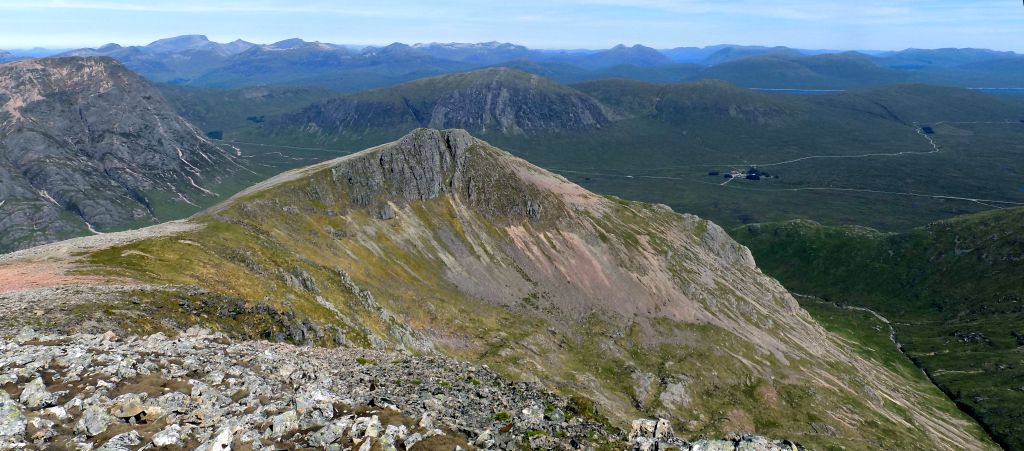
(420,166)
(427,163)
(441,243)
(289,44)
(237,46)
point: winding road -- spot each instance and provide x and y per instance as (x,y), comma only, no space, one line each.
(935,148)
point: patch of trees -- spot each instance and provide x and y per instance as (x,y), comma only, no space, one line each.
(756,174)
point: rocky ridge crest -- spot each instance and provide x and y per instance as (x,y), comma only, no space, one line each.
(498,101)
(472,253)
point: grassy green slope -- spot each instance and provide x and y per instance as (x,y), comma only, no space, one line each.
(679,133)
(643,310)
(839,71)
(954,291)
(230,110)
(670,136)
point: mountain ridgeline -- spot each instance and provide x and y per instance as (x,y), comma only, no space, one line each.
(195,60)
(87,144)
(830,156)
(500,101)
(439,242)
(513,104)
(135,139)
(436,242)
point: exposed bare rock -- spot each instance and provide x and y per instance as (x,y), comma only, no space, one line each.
(211,392)
(86,145)
(492,260)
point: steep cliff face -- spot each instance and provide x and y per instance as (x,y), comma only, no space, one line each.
(499,101)
(86,144)
(439,242)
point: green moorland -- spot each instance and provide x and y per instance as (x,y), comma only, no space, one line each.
(954,291)
(709,341)
(218,110)
(890,158)
(861,157)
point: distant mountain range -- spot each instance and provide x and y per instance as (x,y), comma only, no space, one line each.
(195,60)
(87,145)
(675,133)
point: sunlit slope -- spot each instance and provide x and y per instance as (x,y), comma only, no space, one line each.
(440,242)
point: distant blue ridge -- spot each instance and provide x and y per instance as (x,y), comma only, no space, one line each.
(798,91)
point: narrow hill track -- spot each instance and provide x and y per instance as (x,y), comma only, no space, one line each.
(990,203)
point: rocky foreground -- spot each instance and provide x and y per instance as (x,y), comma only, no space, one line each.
(202,391)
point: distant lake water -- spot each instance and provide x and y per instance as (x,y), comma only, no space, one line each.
(831,91)
(1000,90)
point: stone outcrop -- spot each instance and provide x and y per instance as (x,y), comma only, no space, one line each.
(630,308)
(657,435)
(428,163)
(202,391)
(85,144)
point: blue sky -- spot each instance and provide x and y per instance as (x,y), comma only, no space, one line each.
(817,24)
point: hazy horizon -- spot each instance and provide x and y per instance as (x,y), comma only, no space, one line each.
(553,24)
(45,49)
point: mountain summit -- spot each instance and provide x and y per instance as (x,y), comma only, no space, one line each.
(441,243)
(636,55)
